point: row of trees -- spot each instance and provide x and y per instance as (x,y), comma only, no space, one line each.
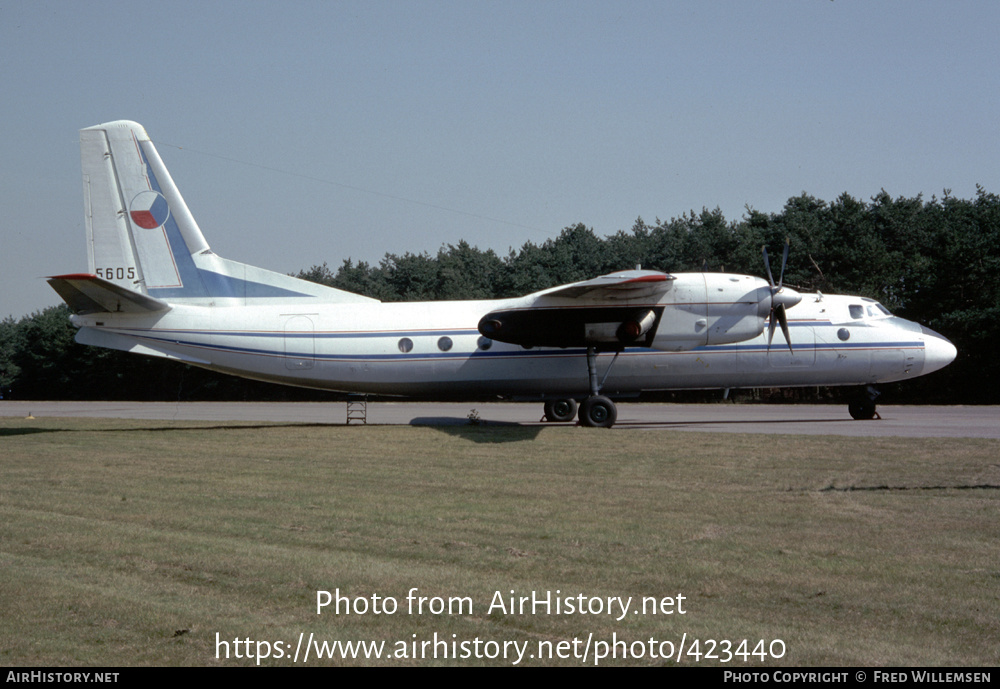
(934,261)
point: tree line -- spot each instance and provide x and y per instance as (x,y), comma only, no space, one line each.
(933,261)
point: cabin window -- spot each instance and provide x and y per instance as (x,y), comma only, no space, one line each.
(405,345)
(484,343)
(445,343)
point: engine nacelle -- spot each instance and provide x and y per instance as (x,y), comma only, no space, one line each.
(712,308)
(608,327)
(626,332)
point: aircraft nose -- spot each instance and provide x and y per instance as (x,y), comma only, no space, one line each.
(938,351)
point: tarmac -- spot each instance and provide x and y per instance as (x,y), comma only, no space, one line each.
(899,421)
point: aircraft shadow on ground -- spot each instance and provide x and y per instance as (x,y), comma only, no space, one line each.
(10,432)
(481,431)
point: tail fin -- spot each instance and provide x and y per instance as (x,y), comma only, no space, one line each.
(142,237)
(140,233)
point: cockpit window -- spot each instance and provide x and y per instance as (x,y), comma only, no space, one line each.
(884,310)
(857,311)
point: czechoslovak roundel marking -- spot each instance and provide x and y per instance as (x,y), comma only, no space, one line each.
(149,210)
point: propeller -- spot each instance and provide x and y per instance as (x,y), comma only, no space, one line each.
(780,299)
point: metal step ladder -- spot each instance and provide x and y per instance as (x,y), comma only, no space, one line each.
(357,409)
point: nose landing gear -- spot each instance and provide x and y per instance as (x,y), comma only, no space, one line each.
(862,408)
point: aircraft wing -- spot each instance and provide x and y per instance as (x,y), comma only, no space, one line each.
(628,284)
(601,312)
(87,293)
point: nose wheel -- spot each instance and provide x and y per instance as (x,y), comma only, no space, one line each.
(862,407)
(862,410)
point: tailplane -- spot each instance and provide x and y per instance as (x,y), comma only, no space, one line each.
(142,238)
(90,294)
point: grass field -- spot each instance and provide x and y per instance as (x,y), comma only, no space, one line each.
(138,542)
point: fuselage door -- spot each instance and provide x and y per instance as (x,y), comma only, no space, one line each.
(300,343)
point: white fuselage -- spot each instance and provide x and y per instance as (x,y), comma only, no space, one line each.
(435,349)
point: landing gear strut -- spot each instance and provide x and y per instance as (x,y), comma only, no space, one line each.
(862,408)
(597,410)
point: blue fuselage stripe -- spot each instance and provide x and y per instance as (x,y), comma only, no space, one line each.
(163,337)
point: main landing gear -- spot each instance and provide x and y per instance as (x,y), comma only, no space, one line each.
(560,411)
(597,410)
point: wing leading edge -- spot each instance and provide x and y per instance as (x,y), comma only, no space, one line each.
(629,284)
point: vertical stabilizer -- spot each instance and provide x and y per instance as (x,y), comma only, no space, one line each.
(141,235)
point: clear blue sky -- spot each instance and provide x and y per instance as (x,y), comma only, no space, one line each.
(320,131)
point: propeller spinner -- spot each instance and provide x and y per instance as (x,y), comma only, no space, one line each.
(781,298)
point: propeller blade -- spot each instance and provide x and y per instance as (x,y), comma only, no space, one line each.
(783,322)
(770,331)
(767,266)
(784,261)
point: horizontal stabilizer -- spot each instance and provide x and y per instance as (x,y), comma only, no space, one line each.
(87,293)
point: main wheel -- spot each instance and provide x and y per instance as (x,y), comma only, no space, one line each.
(862,410)
(598,412)
(560,411)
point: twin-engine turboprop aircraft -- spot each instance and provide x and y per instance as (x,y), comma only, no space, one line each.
(154,287)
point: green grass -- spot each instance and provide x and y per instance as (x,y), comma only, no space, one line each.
(117,535)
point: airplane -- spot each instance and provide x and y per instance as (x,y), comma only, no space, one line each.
(155,287)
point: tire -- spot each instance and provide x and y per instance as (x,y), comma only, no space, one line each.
(560,411)
(598,412)
(862,411)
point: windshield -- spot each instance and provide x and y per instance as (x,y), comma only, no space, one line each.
(870,310)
